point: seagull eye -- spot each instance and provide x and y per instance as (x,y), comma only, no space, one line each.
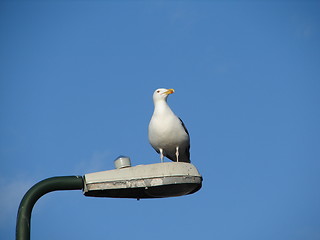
(158,91)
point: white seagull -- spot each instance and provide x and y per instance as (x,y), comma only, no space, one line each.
(167,133)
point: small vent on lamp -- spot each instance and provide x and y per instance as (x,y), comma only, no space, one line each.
(122,162)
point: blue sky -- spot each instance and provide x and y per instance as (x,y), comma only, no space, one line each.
(77,79)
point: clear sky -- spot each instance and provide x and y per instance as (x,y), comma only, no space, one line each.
(77,79)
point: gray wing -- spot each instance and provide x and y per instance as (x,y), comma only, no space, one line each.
(184,126)
(187,151)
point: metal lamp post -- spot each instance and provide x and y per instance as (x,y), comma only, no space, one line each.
(158,180)
(37,191)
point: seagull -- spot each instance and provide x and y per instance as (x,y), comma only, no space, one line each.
(167,133)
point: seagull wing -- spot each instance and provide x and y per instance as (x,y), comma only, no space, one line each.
(184,126)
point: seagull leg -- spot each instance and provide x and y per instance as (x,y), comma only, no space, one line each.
(161,154)
(177,153)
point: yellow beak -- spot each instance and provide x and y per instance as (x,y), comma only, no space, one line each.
(169,91)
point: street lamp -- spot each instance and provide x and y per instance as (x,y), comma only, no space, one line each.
(158,180)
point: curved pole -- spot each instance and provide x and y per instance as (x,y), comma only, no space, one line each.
(37,191)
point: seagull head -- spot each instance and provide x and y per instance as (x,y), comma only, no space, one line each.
(162,94)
